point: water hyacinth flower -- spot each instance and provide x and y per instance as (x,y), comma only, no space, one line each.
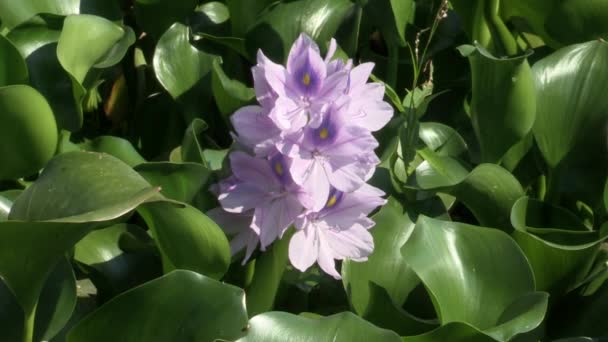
(308,153)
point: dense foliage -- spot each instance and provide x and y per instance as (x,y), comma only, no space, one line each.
(116,127)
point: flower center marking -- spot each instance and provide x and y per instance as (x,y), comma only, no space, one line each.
(331,201)
(278,167)
(323,133)
(306,79)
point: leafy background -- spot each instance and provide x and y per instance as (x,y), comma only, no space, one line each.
(496,165)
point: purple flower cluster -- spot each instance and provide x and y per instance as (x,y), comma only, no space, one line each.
(310,152)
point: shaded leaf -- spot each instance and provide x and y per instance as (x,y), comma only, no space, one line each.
(193,307)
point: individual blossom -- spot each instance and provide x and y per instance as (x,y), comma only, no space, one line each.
(265,187)
(337,232)
(332,154)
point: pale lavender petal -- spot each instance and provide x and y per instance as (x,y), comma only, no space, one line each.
(333,86)
(230,223)
(350,177)
(359,75)
(355,243)
(312,176)
(254,171)
(253,126)
(326,256)
(252,243)
(241,197)
(288,115)
(353,205)
(272,79)
(274,218)
(303,249)
(299,47)
(331,50)
(307,74)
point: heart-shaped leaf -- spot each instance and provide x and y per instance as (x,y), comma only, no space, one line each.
(342,327)
(464,267)
(188,239)
(503,104)
(193,307)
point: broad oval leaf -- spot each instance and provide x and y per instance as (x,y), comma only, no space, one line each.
(342,327)
(503,104)
(279,25)
(187,307)
(464,267)
(178,181)
(14,69)
(25,116)
(188,239)
(116,147)
(14,13)
(576,21)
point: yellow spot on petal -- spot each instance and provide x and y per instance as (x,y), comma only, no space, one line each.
(278,167)
(331,201)
(306,79)
(323,133)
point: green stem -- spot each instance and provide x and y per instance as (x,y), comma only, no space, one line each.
(393,66)
(552,194)
(28,326)
(503,35)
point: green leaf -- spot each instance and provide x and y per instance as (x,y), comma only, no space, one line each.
(11,315)
(244,13)
(57,302)
(14,69)
(489,192)
(557,244)
(112,270)
(156,16)
(186,307)
(503,104)
(13,14)
(464,267)
(25,116)
(278,27)
(575,21)
(184,71)
(188,239)
(115,146)
(269,269)
(437,171)
(37,39)
(106,44)
(75,193)
(453,331)
(391,16)
(385,267)
(180,182)
(571,107)
(442,139)
(342,327)
(229,94)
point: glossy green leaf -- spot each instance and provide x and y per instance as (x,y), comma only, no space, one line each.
(14,69)
(285,327)
(229,94)
(180,182)
(188,239)
(193,307)
(559,247)
(391,16)
(267,276)
(453,331)
(37,39)
(11,315)
(576,21)
(57,302)
(489,191)
(442,139)
(192,149)
(437,171)
(570,104)
(465,267)
(25,116)
(503,104)
(111,269)
(14,13)
(156,16)
(61,207)
(106,44)
(183,70)
(277,28)
(117,147)
(244,13)
(385,267)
